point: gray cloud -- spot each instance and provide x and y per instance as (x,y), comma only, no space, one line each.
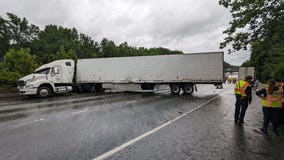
(187,25)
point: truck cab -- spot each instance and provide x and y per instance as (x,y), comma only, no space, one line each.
(48,79)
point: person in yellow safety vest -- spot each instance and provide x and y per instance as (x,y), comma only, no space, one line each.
(242,91)
(271,102)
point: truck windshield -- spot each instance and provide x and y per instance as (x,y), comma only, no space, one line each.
(43,71)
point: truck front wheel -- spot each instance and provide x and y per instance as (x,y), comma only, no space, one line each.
(187,88)
(175,89)
(44,92)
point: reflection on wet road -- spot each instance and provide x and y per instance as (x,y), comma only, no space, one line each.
(85,126)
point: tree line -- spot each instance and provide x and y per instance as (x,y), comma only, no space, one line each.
(24,47)
(258,26)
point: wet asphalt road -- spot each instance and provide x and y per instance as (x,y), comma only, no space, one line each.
(85,126)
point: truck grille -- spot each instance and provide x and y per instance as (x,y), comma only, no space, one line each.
(21,83)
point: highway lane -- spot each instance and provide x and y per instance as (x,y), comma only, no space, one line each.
(85,126)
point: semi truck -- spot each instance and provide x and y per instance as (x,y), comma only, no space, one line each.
(179,72)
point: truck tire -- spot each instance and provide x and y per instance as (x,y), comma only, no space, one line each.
(92,88)
(175,88)
(44,92)
(187,89)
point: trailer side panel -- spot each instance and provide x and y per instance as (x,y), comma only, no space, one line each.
(196,68)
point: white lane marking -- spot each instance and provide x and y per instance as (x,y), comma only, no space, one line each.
(78,112)
(131,102)
(38,119)
(121,147)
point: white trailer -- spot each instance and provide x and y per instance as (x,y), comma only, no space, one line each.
(181,71)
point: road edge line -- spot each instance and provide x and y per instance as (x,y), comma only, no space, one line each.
(144,135)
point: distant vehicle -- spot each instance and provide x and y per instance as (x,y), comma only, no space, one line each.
(180,71)
(245,71)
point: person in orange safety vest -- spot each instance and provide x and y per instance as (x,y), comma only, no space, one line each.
(272,99)
(242,91)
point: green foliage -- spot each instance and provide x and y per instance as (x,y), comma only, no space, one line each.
(252,21)
(4,37)
(51,39)
(87,48)
(110,49)
(8,78)
(247,64)
(278,72)
(259,24)
(16,33)
(268,62)
(17,63)
(20,61)
(229,67)
(62,54)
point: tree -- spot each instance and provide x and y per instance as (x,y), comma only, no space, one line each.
(51,39)
(20,61)
(278,74)
(16,64)
(87,48)
(109,48)
(21,33)
(252,21)
(124,50)
(8,78)
(16,33)
(62,54)
(4,37)
(230,67)
(259,25)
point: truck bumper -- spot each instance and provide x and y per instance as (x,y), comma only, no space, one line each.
(26,91)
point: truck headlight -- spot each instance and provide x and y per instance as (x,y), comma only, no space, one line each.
(30,86)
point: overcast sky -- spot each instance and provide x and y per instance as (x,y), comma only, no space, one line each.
(186,25)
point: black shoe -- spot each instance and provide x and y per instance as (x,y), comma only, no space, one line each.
(263,130)
(241,123)
(236,121)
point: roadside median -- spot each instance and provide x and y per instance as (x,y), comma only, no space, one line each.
(6,92)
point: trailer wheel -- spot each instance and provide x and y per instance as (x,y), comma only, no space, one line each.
(44,92)
(92,88)
(175,89)
(187,88)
